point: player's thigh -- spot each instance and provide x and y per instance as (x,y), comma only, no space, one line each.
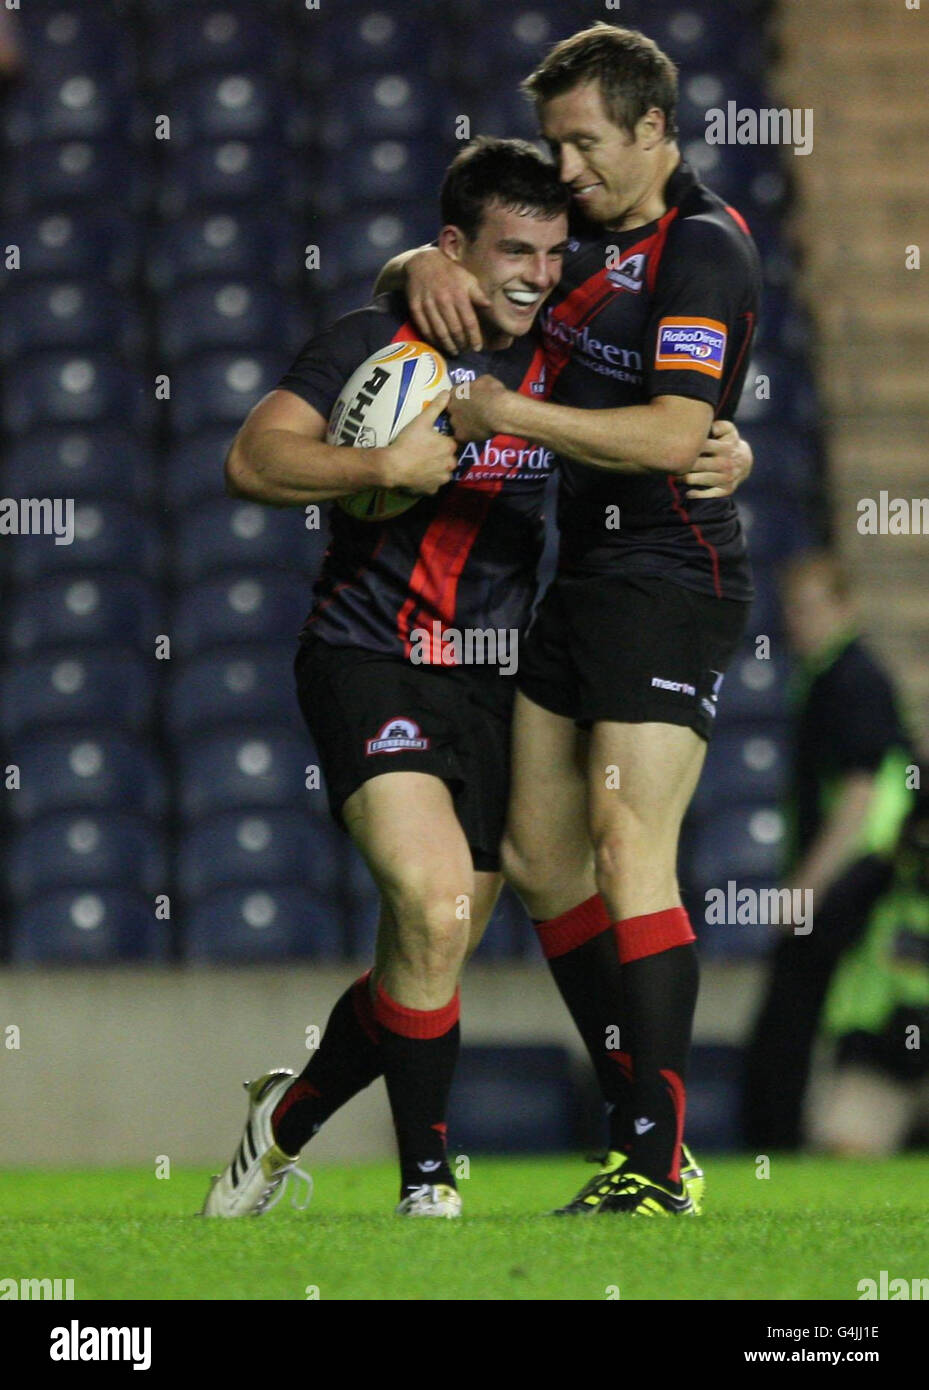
(640,781)
(546,818)
(405,826)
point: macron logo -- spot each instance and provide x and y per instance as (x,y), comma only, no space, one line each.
(676,687)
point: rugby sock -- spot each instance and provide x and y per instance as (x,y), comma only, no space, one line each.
(347,1060)
(581,954)
(660,976)
(419,1049)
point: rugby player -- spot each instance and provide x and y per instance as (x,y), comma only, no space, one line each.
(648,338)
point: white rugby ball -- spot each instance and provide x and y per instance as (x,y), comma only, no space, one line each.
(384,395)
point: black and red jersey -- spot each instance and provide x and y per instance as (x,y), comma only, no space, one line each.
(463,558)
(664,309)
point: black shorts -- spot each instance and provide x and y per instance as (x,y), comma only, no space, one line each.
(370,714)
(631,648)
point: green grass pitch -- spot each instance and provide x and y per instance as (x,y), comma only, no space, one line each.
(811,1230)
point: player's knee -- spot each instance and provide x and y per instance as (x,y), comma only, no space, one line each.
(526,865)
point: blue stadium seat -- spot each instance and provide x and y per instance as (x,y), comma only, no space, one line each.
(696,35)
(755,688)
(75,388)
(392,105)
(78,105)
(785,458)
(239,105)
(74,175)
(743,766)
(375,172)
(101,849)
(193,470)
(259,849)
(766,616)
(777,391)
(775,527)
(87,927)
(509,932)
(355,248)
(220,388)
(254,766)
(78,242)
(231,242)
(60,41)
(228,314)
(216,36)
(500,109)
(744,842)
(230,174)
(102,460)
(732,939)
(68,314)
(265,607)
(107,535)
(237,685)
(102,688)
(247,925)
(355,294)
(505,42)
(240,535)
(85,610)
(379,37)
(87,769)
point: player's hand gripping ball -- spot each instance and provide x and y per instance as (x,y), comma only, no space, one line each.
(385,394)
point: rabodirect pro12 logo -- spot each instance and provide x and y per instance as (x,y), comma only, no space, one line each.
(693,344)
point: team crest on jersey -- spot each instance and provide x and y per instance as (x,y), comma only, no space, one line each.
(697,345)
(396,736)
(629,274)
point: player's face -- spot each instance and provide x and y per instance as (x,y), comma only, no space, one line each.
(608,170)
(516,258)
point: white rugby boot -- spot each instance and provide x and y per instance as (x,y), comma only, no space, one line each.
(255,1180)
(440,1200)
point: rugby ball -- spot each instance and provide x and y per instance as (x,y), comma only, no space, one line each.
(384,395)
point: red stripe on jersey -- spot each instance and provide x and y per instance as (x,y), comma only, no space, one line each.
(658,244)
(711,550)
(738,219)
(449,539)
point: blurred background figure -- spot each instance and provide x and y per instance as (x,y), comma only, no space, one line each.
(877,1010)
(848,801)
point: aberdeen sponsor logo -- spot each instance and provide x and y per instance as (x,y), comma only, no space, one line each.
(495,461)
(625,364)
(397,736)
(694,344)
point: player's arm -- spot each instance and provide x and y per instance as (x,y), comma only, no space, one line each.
(663,436)
(441,295)
(838,840)
(280,456)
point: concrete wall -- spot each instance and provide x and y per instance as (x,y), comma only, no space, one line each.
(116,1066)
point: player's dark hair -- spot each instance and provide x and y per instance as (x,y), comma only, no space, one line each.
(510,172)
(633,73)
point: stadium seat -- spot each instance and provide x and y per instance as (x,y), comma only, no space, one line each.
(86,769)
(87,927)
(67,314)
(775,527)
(375,172)
(766,617)
(260,849)
(379,37)
(355,248)
(73,175)
(106,535)
(240,535)
(755,688)
(206,314)
(100,688)
(785,458)
(101,850)
(75,388)
(743,767)
(255,766)
(505,42)
(237,105)
(744,842)
(84,611)
(62,41)
(217,36)
(234,686)
(229,242)
(76,243)
(500,109)
(102,460)
(77,105)
(228,175)
(220,388)
(393,105)
(248,925)
(193,470)
(254,607)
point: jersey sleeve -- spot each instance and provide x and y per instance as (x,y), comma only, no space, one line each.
(325,363)
(697,330)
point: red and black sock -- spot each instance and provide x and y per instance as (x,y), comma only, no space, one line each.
(347,1060)
(660,975)
(581,952)
(419,1048)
